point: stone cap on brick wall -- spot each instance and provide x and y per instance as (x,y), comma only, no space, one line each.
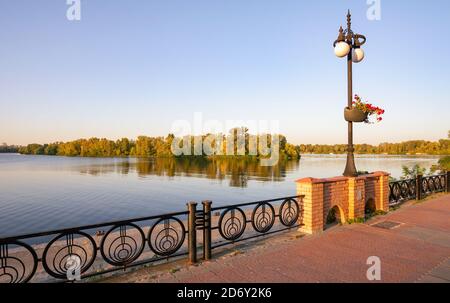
(341,178)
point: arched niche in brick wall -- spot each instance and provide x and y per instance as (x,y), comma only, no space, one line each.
(370,206)
(335,215)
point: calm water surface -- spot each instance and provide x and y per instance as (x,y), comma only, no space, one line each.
(45,192)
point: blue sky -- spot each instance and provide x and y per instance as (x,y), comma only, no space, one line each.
(133,67)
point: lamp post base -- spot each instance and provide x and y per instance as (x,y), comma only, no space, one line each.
(350,168)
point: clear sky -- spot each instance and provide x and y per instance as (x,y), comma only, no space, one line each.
(130,68)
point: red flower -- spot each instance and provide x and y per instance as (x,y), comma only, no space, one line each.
(368,108)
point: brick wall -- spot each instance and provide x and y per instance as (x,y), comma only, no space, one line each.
(347,195)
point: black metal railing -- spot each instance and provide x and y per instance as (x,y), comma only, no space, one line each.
(126,243)
(418,188)
(246,221)
(403,190)
(87,251)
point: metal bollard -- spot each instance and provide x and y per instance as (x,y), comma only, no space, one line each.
(447,179)
(419,187)
(192,233)
(207,230)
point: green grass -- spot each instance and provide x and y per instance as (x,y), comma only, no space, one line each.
(356,221)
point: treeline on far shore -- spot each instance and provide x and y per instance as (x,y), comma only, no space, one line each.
(416,147)
(5,148)
(412,147)
(145,146)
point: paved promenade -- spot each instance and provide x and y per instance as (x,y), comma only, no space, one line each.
(418,250)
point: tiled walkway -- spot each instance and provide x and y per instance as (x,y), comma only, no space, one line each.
(416,251)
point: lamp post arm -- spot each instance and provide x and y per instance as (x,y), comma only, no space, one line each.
(356,37)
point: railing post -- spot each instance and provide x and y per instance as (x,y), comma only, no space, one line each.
(447,182)
(419,187)
(300,206)
(192,233)
(207,230)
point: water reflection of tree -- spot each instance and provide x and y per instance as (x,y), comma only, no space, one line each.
(237,171)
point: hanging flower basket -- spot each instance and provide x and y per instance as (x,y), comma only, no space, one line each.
(355,115)
(362,111)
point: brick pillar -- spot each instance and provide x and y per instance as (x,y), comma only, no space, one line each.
(356,198)
(383,203)
(349,194)
(312,205)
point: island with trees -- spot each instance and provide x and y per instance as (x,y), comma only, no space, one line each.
(158,147)
(145,146)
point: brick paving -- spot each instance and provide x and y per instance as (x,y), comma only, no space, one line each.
(416,251)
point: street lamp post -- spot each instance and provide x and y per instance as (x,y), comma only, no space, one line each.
(348,44)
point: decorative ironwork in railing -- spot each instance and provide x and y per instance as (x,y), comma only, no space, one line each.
(417,188)
(260,216)
(87,251)
(403,190)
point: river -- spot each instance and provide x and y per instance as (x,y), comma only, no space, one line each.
(40,193)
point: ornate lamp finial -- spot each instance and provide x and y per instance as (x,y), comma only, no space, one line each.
(349,20)
(341,36)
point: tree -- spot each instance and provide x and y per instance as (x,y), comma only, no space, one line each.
(411,173)
(442,166)
(444,163)
(5,148)
(123,147)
